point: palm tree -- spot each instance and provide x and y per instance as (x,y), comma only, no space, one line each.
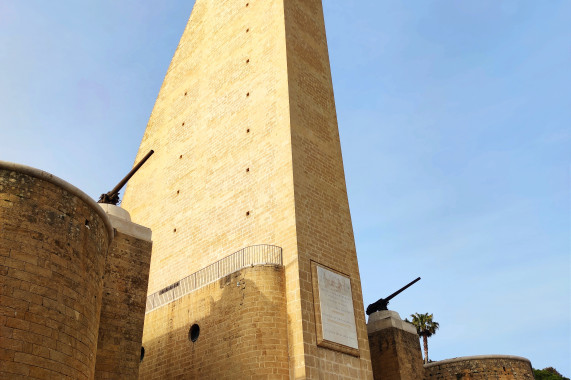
(425,327)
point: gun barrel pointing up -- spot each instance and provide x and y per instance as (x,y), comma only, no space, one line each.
(402,289)
(131,173)
(112,197)
(382,303)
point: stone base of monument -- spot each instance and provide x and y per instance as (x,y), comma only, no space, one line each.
(124,298)
(395,347)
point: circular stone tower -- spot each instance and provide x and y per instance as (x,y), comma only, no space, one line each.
(53,245)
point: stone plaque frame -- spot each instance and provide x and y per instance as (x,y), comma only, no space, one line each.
(321,341)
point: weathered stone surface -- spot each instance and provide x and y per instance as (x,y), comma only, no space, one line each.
(123,304)
(53,243)
(243,330)
(395,347)
(499,367)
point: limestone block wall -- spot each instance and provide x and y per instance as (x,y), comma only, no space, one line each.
(241,333)
(395,347)
(247,152)
(123,307)
(324,231)
(499,367)
(395,354)
(53,243)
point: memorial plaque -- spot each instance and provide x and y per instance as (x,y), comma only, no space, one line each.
(335,316)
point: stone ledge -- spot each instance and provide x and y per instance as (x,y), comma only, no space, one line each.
(477,357)
(121,220)
(385,319)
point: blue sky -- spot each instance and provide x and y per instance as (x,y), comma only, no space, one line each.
(454,119)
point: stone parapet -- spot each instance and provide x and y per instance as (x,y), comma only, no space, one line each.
(501,367)
(53,245)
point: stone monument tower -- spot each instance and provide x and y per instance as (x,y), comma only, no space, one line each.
(253,271)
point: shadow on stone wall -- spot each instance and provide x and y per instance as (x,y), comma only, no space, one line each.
(242,334)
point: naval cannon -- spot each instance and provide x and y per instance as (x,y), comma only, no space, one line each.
(112,197)
(382,303)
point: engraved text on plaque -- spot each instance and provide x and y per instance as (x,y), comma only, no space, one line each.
(336,306)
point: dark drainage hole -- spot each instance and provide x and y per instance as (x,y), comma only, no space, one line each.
(193,333)
(142,353)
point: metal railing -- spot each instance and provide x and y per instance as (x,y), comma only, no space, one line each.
(246,257)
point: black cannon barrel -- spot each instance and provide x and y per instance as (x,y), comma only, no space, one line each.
(382,304)
(133,171)
(402,289)
(112,197)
